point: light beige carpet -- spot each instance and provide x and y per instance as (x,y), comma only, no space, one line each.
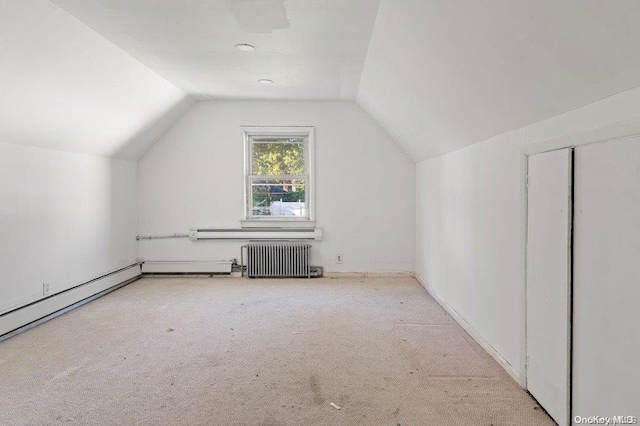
(230,351)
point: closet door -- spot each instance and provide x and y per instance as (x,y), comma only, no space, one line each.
(606,357)
(548,281)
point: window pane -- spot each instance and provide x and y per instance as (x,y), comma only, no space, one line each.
(280,198)
(283,156)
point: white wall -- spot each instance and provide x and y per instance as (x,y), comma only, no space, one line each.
(467,229)
(64,219)
(364,184)
(469,221)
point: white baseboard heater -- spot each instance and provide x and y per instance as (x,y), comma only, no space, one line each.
(22,318)
(284,234)
(187,267)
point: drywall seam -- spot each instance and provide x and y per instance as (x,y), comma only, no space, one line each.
(472,332)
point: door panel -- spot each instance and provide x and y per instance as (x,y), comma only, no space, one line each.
(606,334)
(548,281)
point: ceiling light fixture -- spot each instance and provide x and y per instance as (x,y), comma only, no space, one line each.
(245,47)
(265,81)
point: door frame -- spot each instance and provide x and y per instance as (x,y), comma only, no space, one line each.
(609,133)
(570,236)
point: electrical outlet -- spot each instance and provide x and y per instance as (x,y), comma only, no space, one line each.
(338,258)
(45,289)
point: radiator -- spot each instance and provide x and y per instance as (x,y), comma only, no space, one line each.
(277,260)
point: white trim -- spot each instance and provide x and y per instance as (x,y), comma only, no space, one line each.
(368,275)
(472,332)
(524,229)
(305,131)
(277,223)
(26,315)
(618,130)
(277,130)
(54,288)
(67,309)
(187,267)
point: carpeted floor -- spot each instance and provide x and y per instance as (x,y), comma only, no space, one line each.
(231,351)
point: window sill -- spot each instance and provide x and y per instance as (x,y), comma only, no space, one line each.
(277,223)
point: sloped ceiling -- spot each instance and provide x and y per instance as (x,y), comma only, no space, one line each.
(441,75)
(110,77)
(64,87)
(311,49)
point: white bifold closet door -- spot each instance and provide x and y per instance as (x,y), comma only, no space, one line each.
(606,290)
(549,281)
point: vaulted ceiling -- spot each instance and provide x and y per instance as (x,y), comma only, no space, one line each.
(109,77)
(444,74)
(64,87)
(311,49)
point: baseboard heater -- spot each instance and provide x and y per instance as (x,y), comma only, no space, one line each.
(187,267)
(284,234)
(32,314)
(278,260)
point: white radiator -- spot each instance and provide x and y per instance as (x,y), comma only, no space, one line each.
(277,260)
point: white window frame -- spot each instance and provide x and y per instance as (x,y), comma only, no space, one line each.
(309,152)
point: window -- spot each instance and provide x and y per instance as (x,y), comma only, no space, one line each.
(279,174)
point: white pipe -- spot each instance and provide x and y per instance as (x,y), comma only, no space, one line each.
(158,237)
